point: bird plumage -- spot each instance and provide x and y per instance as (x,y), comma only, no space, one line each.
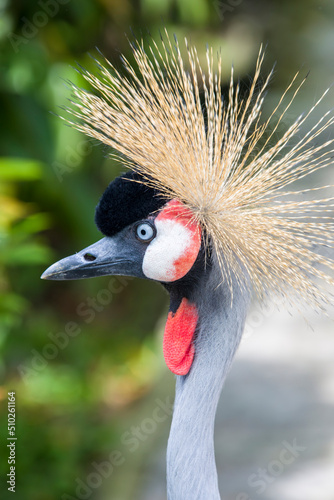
(191,467)
(220,159)
(123,203)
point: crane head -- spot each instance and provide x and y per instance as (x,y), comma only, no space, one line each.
(145,236)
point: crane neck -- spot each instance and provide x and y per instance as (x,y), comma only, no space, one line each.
(191,467)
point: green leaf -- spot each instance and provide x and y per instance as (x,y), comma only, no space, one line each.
(20,169)
(32,224)
(27,254)
(12,302)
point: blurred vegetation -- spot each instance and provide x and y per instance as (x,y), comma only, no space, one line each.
(73,397)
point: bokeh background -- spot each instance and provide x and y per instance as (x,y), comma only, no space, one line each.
(85,357)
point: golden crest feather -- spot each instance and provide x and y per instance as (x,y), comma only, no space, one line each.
(221,160)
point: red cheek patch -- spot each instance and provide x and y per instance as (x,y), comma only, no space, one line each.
(176,211)
(178,346)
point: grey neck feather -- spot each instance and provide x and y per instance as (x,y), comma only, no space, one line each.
(191,467)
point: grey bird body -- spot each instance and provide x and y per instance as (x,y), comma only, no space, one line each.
(191,468)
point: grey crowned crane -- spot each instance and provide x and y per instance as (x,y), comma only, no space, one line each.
(202,211)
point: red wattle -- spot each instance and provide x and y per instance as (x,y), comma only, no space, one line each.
(178,346)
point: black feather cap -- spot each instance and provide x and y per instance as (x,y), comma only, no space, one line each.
(125,202)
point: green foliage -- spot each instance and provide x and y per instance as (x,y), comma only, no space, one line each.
(19,245)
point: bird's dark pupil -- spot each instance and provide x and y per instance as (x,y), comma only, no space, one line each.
(143,232)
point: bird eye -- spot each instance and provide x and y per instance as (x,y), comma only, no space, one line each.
(145,231)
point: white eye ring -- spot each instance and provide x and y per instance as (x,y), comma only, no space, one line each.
(145,231)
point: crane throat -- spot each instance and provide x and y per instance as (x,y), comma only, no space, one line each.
(178,343)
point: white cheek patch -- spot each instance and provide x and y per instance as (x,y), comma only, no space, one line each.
(171,245)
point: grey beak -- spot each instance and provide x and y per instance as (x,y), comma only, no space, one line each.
(109,256)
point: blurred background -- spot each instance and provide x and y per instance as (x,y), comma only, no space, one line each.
(85,358)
